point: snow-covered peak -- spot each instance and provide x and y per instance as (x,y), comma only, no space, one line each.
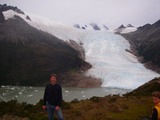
(10,14)
(92,26)
(5,7)
(129,29)
(125,29)
(57,29)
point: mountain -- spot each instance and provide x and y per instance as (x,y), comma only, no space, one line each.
(27,55)
(125,29)
(145,43)
(92,26)
(5,7)
(33,48)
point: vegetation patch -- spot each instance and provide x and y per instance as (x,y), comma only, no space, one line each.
(106,108)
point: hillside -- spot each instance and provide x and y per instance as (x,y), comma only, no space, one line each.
(146,89)
(145,42)
(28,55)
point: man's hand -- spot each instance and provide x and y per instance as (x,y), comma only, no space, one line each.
(44,107)
(57,108)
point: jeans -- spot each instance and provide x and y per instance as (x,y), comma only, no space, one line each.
(51,110)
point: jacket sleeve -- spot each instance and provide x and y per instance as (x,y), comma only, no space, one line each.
(59,97)
(154,114)
(45,96)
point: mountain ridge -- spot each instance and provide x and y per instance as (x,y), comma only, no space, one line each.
(125,29)
(28,55)
(145,43)
(92,26)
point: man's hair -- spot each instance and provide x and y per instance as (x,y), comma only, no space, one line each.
(156,94)
(53,74)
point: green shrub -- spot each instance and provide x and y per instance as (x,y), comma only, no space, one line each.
(95,99)
(75,101)
(76,113)
(112,99)
(66,105)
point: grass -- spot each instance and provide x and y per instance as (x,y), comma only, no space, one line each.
(95,108)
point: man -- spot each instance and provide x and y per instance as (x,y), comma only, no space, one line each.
(53,98)
(156,109)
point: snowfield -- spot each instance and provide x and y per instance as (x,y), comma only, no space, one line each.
(105,50)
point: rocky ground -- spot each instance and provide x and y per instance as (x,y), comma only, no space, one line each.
(79,79)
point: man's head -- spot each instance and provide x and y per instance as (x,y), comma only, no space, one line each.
(53,79)
(156,97)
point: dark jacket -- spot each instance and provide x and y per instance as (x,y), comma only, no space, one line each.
(154,114)
(53,95)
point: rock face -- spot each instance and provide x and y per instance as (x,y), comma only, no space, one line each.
(146,44)
(121,27)
(1,17)
(78,47)
(76,26)
(95,26)
(5,8)
(28,56)
(125,29)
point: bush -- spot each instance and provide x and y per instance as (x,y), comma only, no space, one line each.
(94,99)
(75,101)
(66,105)
(112,99)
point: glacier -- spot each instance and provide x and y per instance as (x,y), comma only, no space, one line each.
(104,50)
(111,62)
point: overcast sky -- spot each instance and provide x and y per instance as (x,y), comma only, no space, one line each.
(112,13)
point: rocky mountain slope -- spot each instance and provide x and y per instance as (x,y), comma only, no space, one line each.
(145,43)
(28,55)
(147,88)
(5,7)
(92,26)
(125,29)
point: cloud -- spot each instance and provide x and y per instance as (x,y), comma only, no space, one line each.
(110,12)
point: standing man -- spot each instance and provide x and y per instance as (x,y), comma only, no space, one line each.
(53,98)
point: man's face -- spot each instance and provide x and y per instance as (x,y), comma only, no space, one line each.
(53,80)
(156,100)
